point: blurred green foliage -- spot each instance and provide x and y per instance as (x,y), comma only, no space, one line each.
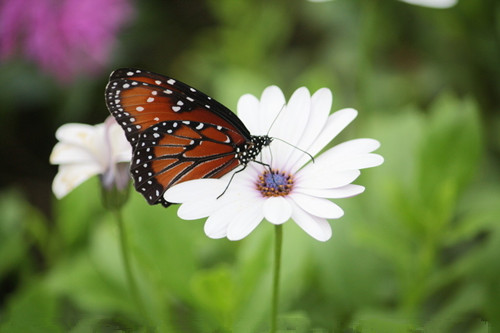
(417,252)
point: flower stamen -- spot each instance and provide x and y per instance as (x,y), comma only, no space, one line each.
(275,183)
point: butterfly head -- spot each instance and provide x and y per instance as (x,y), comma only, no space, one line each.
(249,151)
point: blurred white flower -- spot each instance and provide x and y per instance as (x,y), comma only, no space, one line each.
(424,3)
(433,3)
(84,151)
(296,187)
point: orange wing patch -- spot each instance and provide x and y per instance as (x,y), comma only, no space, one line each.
(166,178)
(208,148)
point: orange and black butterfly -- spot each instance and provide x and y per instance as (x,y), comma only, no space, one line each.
(177,132)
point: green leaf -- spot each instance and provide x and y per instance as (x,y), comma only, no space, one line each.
(32,310)
(77,212)
(13,246)
(379,321)
(94,279)
(448,158)
(21,227)
(215,294)
(165,248)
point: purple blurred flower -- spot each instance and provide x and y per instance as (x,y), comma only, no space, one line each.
(64,37)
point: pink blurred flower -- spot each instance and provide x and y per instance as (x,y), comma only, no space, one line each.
(64,37)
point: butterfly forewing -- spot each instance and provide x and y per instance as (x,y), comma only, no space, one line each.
(140,99)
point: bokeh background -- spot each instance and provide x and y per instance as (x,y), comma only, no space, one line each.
(417,252)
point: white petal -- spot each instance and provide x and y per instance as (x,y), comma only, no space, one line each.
(324,178)
(433,3)
(194,190)
(70,176)
(351,147)
(346,191)
(246,222)
(334,125)
(355,162)
(78,134)
(318,206)
(236,220)
(290,126)
(277,210)
(292,120)
(272,102)
(350,155)
(194,210)
(64,153)
(316,227)
(248,112)
(121,148)
(216,226)
(87,138)
(321,103)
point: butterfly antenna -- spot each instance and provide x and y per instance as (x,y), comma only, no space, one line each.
(269,130)
(230,180)
(299,149)
(275,118)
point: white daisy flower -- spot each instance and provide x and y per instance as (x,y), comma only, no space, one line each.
(84,151)
(296,188)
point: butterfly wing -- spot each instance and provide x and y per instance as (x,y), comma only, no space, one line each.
(172,152)
(177,132)
(139,99)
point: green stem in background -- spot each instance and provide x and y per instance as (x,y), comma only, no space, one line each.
(365,50)
(278,238)
(126,262)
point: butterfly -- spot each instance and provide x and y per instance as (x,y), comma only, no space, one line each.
(177,133)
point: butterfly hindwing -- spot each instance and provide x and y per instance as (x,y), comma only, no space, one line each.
(171,152)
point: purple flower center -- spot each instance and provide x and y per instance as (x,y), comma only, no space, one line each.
(274,183)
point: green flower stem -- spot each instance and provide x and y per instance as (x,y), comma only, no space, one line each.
(365,50)
(126,262)
(278,239)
